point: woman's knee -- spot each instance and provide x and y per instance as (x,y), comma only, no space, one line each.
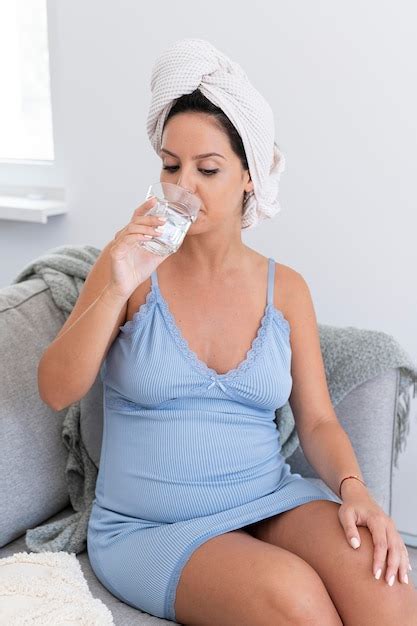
(301,598)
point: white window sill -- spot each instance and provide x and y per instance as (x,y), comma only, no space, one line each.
(30,208)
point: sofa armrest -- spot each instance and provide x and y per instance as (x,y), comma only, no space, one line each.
(367,414)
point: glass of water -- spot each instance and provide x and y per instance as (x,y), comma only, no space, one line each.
(180,207)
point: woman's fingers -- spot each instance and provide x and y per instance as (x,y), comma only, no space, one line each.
(148,204)
(376,525)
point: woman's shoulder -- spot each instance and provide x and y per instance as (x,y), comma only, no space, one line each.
(288,282)
(292,293)
(285,273)
(286,278)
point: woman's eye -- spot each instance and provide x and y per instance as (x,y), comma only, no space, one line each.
(172,168)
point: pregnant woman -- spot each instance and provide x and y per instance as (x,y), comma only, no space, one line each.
(197,518)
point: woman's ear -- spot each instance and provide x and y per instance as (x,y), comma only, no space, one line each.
(249,186)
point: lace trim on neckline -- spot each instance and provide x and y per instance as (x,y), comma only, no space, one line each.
(155,295)
(270,313)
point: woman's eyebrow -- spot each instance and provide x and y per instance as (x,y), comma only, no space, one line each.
(198,156)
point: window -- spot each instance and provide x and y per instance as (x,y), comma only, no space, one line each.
(25,103)
(31,165)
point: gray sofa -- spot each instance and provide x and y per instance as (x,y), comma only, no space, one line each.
(33,487)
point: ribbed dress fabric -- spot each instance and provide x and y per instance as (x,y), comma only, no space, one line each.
(187,454)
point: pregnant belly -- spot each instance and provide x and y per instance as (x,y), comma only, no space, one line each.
(168,500)
(176,471)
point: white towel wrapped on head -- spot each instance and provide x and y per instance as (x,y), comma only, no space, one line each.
(191,64)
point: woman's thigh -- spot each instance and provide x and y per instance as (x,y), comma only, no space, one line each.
(235,578)
(314,532)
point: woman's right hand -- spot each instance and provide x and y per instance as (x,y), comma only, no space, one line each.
(131,264)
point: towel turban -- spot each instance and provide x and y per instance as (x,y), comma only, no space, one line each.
(191,64)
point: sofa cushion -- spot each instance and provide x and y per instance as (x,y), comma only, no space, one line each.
(32,455)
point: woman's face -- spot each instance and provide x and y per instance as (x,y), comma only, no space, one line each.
(219,181)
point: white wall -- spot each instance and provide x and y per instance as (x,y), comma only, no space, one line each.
(340,78)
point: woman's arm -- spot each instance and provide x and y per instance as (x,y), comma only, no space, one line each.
(328,449)
(70,364)
(324,442)
(327,446)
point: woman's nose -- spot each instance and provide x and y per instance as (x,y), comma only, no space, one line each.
(184,187)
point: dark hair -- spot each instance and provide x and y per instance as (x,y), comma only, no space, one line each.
(196,101)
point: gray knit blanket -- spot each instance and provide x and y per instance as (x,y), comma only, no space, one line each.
(351,356)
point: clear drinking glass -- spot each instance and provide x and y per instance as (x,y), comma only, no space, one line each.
(180,207)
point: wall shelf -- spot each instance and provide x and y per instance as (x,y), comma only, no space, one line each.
(30,208)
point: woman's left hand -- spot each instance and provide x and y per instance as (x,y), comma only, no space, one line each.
(360,509)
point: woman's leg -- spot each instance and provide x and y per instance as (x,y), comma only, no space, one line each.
(313,531)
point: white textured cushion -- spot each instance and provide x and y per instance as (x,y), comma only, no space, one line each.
(47,588)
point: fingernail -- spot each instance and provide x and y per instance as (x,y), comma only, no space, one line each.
(391,580)
(355,542)
(378,574)
(162,219)
(405,579)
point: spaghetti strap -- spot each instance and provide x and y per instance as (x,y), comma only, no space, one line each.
(154,278)
(271,281)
